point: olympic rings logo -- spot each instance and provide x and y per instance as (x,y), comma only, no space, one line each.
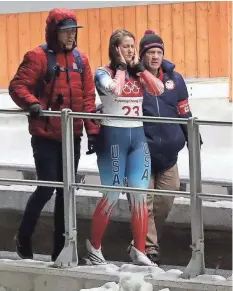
(131,87)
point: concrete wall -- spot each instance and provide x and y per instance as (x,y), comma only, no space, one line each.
(216,215)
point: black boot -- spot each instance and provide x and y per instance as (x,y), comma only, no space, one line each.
(153,253)
(23,247)
(58,244)
(154,258)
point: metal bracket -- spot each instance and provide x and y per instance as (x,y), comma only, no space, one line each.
(196,265)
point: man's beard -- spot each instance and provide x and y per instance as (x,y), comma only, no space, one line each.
(64,46)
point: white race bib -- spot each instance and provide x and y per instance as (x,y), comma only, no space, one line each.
(129,106)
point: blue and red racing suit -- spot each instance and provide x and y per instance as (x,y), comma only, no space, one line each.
(122,151)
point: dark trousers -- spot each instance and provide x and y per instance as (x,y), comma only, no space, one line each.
(48,161)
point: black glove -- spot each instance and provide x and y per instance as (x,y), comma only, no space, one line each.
(92,144)
(99,108)
(122,66)
(139,67)
(35,110)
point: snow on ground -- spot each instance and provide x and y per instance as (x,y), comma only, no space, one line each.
(132,278)
(151,272)
(128,282)
(128,271)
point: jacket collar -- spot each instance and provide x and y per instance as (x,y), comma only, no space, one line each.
(167,67)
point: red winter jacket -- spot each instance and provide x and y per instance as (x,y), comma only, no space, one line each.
(77,96)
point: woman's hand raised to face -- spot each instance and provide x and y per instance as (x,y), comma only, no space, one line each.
(121,58)
(134,59)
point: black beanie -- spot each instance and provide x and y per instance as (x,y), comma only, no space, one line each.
(149,40)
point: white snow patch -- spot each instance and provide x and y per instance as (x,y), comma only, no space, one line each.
(108,269)
(111,286)
(216,204)
(146,270)
(132,275)
(111,268)
(172,274)
(208,278)
(128,282)
(6,260)
(134,282)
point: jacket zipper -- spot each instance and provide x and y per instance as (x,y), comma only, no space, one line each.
(49,103)
(68,81)
(159,115)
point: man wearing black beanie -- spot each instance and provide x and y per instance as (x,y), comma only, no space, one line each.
(165,140)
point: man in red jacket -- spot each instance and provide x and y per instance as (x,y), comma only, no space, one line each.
(70,86)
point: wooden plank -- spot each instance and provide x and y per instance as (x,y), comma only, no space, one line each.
(24,34)
(153,18)
(105,33)
(3,52)
(223,23)
(229,9)
(202,40)
(35,34)
(214,38)
(44,16)
(141,21)
(83,37)
(12,44)
(117,18)
(130,19)
(165,14)
(178,37)
(94,37)
(190,40)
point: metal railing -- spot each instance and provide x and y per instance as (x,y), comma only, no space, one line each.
(28,168)
(69,256)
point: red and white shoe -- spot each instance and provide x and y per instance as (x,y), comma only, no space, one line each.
(95,255)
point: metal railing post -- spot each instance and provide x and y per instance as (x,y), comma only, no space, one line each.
(68,256)
(196,265)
